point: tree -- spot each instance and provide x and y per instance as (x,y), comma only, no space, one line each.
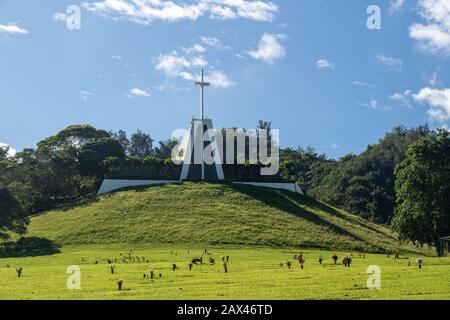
(422,213)
(364,184)
(141,145)
(121,137)
(63,168)
(12,215)
(93,155)
(70,140)
(164,151)
(4,151)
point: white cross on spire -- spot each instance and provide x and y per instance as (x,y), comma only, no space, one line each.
(202,84)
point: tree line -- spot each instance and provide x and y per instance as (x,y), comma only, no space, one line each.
(403,180)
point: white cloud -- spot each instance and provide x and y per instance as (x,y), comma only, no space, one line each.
(362,84)
(214,43)
(196,48)
(116,58)
(12,29)
(325,64)
(389,61)
(59,16)
(176,65)
(219,79)
(85,95)
(335,146)
(396,5)
(434,36)
(403,99)
(269,48)
(438,100)
(11,152)
(372,104)
(147,11)
(138,93)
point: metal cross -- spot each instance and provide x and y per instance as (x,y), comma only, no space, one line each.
(202,84)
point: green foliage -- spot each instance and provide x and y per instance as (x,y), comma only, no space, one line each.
(141,145)
(364,184)
(12,216)
(423,191)
(4,150)
(305,166)
(70,140)
(148,168)
(93,155)
(63,168)
(164,151)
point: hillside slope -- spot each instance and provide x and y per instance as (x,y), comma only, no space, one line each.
(206,213)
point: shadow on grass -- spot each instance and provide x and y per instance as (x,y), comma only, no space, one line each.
(356,220)
(28,247)
(289,202)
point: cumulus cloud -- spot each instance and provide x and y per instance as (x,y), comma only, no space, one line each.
(183,66)
(389,61)
(219,79)
(325,64)
(434,35)
(438,101)
(176,65)
(12,29)
(138,93)
(148,11)
(11,152)
(269,48)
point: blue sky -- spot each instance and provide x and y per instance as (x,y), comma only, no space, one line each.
(311,67)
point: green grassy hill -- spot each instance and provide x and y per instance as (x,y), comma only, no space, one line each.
(213,214)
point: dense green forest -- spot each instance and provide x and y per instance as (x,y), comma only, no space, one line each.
(71,164)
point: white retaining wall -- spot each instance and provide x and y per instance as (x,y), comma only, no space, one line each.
(293,187)
(109,185)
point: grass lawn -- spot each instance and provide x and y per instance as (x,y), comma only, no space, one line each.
(253,273)
(215,214)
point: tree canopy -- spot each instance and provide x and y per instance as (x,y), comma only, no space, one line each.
(422,185)
(12,216)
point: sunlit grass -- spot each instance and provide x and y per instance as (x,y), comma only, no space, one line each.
(253,273)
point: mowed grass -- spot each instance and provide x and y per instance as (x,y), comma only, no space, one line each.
(214,214)
(253,273)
